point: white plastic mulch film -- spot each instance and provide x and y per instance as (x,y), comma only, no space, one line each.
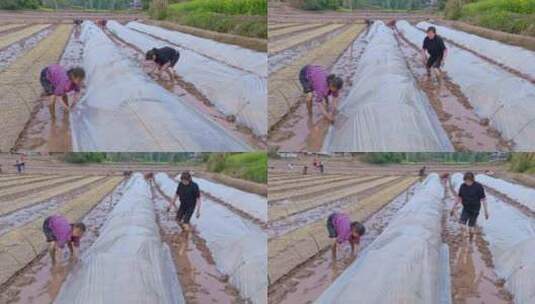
(518,58)
(407,263)
(238,246)
(124,110)
(128,263)
(250,203)
(385,110)
(237,92)
(511,237)
(503,98)
(519,193)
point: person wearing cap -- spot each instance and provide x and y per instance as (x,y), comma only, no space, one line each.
(343,231)
(471,195)
(433,46)
(190,198)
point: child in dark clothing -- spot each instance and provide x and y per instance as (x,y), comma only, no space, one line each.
(165,59)
(190,197)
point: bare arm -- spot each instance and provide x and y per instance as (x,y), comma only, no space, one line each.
(324,111)
(457,201)
(199,206)
(335,244)
(335,105)
(485,209)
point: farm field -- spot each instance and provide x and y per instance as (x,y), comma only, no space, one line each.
(408,222)
(425,115)
(225,103)
(222,259)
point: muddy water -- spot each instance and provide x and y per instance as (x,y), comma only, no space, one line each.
(197,272)
(188,93)
(40,283)
(29,214)
(301,131)
(307,282)
(49,128)
(473,278)
(12,52)
(465,130)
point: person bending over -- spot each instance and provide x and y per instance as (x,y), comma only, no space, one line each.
(316,82)
(57,82)
(471,195)
(190,197)
(344,231)
(434,46)
(164,59)
(59,232)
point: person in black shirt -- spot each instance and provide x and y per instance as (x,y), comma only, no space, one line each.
(190,197)
(471,195)
(165,59)
(435,47)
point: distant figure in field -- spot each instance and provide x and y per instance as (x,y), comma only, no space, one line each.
(471,195)
(149,177)
(434,46)
(59,232)
(316,82)
(190,198)
(19,166)
(102,23)
(164,59)
(421,173)
(58,82)
(444,177)
(305,169)
(290,167)
(340,228)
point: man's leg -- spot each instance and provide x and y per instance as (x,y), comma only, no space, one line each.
(52,251)
(65,101)
(52,106)
(308,99)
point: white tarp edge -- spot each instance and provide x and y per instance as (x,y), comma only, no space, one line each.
(128,263)
(239,247)
(396,116)
(495,94)
(511,236)
(519,193)
(518,58)
(405,263)
(252,61)
(124,110)
(232,91)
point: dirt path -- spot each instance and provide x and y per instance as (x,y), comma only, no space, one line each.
(40,282)
(15,50)
(472,270)
(197,272)
(189,94)
(465,130)
(308,281)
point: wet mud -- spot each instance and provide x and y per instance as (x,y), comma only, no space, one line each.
(308,281)
(49,126)
(200,280)
(465,129)
(473,278)
(189,94)
(40,281)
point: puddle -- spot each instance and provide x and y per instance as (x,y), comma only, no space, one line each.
(200,280)
(473,279)
(39,283)
(465,130)
(307,282)
(49,128)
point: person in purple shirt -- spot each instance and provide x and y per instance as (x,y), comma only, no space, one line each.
(344,231)
(316,82)
(59,232)
(56,81)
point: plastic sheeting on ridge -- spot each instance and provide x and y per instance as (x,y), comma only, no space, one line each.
(511,236)
(233,92)
(124,110)
(128,263)
(519,193)
(518,58)
(506,100)
(238,246)
(250,203)
(407,263)
(385,110)
(249,60)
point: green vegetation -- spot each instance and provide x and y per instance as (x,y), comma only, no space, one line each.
(249,166)
(522,163)
(19,4)
(512,16)
(408,158)
(143,157)
(342,5)
(238,17)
